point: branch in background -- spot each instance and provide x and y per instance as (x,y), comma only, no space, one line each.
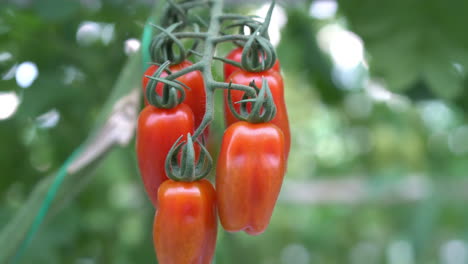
(357,190)
(119,129)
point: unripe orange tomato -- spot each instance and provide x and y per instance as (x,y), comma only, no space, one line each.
(158,129)
(185,224)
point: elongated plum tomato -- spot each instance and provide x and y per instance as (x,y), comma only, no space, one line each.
(185,224)
(195,97)
(158,130)
(275,82)
(236,55)
(249,175)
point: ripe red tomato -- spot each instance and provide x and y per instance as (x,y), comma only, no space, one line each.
(158,130)
(195,97)
(236,55)
(275,82)
(249,175)
(185,224)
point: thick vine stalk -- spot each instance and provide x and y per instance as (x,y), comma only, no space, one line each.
(208,53)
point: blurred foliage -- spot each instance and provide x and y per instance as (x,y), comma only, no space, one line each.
(429,39)
(312,63)
(403,113)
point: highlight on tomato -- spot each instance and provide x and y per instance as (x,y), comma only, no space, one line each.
(236,55)
(158,129)
(275,82)
(185,224)
(249,175)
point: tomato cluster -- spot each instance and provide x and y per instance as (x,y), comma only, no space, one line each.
(249,169)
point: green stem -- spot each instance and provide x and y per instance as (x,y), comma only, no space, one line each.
(193,35)
(236,17)
(194,67)
(234,86)
(222,59)
(226,38)
(214,37)
(213,32)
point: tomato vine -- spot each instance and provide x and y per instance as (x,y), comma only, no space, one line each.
(255,146)
(255,43)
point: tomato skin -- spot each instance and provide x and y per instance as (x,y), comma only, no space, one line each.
(158,130)
(236,55)
(185,224)
(249,175)
(195,97)
(275,82)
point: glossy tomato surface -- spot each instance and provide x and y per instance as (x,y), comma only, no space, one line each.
(236,55)
(275,82)
(158,129)
(249,175)
(185,224)
(195,97)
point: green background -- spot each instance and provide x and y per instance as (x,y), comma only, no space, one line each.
(379,157)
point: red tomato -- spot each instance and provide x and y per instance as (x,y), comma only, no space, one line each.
(158,130)
(185,224)
(275,82)
(249,175)
(236,55)
(195,97)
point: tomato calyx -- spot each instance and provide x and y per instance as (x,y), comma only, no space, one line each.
(179,12)
(173,92)
(166,46)
(188,169)
(259,109)
(258,54)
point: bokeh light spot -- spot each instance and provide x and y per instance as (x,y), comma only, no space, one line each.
(131,46)
(436,115)
(295,253)
(4,56)
(9,102)
(345,47)
(88,33)
(26,74)
(400,252)
(453,252)
(458,140)
(323,9)
(48,119)
(278,20)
